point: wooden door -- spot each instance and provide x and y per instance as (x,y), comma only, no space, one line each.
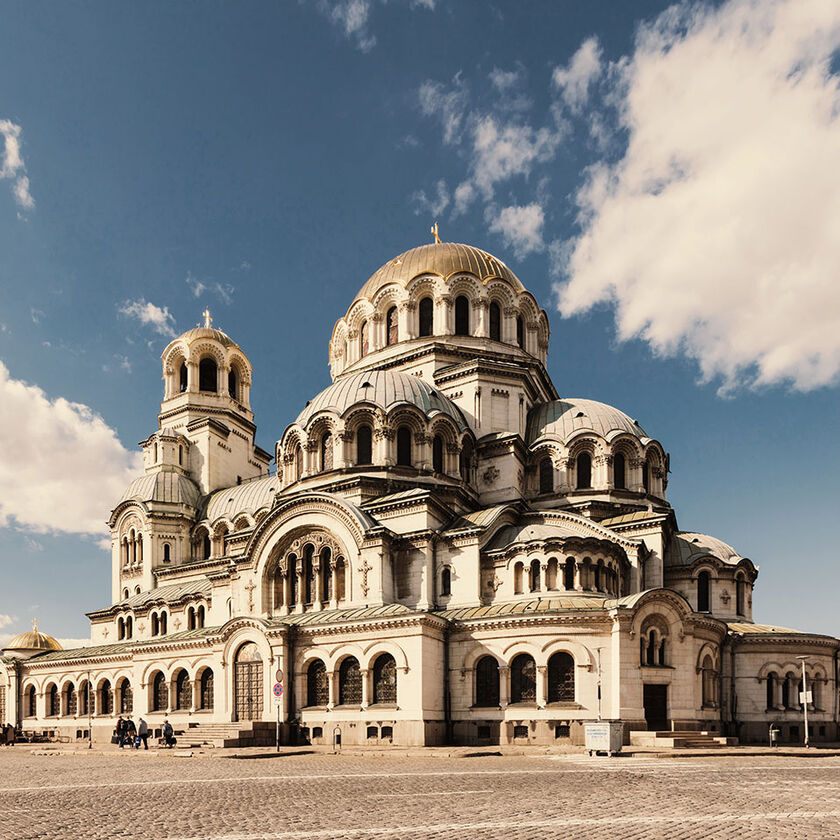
(656,707)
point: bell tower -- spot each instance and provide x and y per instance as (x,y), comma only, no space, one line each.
(206,427)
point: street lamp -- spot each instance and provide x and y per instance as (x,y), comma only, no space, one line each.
(804,697)
(90,727)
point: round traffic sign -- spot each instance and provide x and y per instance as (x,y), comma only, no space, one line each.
(278,675)
(278,689)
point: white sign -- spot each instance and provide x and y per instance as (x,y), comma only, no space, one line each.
(278,675)
(806,697)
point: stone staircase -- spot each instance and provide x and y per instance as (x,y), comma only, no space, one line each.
(686,739)
(242,734)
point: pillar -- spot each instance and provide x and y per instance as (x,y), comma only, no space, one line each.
(365,674)
(504,686)
(331,687)
(542,685)
(481,328)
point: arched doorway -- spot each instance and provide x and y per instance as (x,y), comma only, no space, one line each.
(248,683)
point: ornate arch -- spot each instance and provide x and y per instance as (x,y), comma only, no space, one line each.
(205,349)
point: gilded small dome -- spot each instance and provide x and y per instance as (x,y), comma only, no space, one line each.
(443,259)
(32,640)
(207,332)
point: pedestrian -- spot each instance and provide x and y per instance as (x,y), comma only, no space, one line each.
(168,734)
(143,733)
(2,735)
(11,735)
(129,730)
(119,733)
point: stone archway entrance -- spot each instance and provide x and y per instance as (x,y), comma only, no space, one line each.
(656,707)
(248,683)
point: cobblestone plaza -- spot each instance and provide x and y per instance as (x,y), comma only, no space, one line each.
(325,796)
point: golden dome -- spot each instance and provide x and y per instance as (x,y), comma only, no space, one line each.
(33,640)
(443,259)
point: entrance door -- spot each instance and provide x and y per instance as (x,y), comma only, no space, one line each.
(248,683)
(656,707)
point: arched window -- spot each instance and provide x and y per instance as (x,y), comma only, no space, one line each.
(199,617)
(167,552)
(584,471)
(206,547)
(598,583)
(786,691)
(391,326)
(619,471)
(206,689)
(704,586)
(155,624)
(293,579)
(317,688)
(139,549)
(84,698)
(385,679)
(326,452)
(308,574)
(569,573)
(364,344)
(30,704)
(339,579)
(487,682)
(364,445)
(437,454)
(126,698)
(740,600)
(191,618)
(182,378)
(551,573)
(180,456)
(349,682)
(462,315)
(520,332)
(708,672)
(208,375)
(466,460)
(404,446)
(298,462)
(120,629)
(534,576)
(156,453)
(446,581)
(326,574)
(646,476)
(495,321)
(232,384)
(183,691)
(160,693)
(561,678)
(106,699)
(71,700)
(772,678)
(125,594)
(426,311)
(523,679)
(53,701)
(163,624)
(546,476)
(518,574)
(129,627)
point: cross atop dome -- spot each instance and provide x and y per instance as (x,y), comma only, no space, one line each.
(207,319)
(434,232)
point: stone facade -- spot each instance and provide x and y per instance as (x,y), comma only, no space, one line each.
(446,552)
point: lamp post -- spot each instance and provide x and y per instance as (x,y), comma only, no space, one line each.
(803,697)
(90,725)
(598,651)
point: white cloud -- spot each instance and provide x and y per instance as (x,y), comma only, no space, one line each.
(224,291)
(505,80)
(351,17)
(12,165)
(716,232)
(448,104)
(150,315)
(520,227)
(36,315)
(32,545)
(6,620)
(62,468)
(433,204)
(196,286)
(574,80)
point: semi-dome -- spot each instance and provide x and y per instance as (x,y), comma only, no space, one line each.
(689,546)
(385,389)
(443,259)
(32,641)
(163,487)
(563,418)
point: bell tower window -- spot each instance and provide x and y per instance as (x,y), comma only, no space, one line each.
(426,312)
(584,471)
(208,376)
(495,322)
(462,316)
(364,445)
(437,454)
(619,471)
(404,446)
(182,375)
(391,326)
(363,340)
(520,332)
(232,384)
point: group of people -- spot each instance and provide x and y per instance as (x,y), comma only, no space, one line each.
(127,734)
(8,736)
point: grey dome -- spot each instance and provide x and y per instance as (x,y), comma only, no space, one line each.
(688,546)
(247,497)
(383,388)
(563,418)
(163,487)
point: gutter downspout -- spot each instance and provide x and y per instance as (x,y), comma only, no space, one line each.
(291,637)
(447,702)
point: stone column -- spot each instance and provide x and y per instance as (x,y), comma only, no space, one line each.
(300,585)
(427,577)
(365,674)
(443,316)
(481,307)
(331,678)
(317,602)
(222,379)
(376,328)
(509,325)
(578,576)
(504,686)
(333,594)
(192,377)
(542,685)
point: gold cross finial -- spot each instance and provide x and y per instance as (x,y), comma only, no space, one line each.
(34,625)
(434,230)
(207,319)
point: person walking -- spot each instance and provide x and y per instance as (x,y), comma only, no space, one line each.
(2,735)
(130,730)
(168,734)
(143,733)
(11,735)
(120,732)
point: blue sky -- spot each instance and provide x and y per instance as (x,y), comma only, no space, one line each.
(663,179)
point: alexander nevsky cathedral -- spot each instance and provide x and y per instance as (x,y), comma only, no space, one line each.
(447,552)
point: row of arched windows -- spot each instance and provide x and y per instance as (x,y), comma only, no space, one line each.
(560,680)
(208,378)
(463,323)
(73,702)
(583,473)
(181,696)
(324,583)
(125,627)
(569,575)
(350,676)
(158,621)
(131,549)
(195,617)
(783,691)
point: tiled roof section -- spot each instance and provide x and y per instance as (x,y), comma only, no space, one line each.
(534,607)
(687,546)
(384,388)
(562,418)
(626,518)
(97,651)
(528,532)
(441,258)
(765,630)
(247,497)
(476,519)
(167,594)
(346,615)
(404,496)
(163,487)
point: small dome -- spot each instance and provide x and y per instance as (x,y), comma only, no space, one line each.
(688,546)
(562,418)
(32,640)
(163,487)
(247,497)
(384,388)
(206,332)
(443,259)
